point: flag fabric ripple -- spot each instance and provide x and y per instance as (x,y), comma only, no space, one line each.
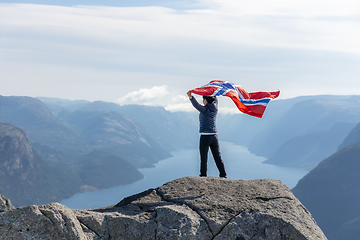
(253,104)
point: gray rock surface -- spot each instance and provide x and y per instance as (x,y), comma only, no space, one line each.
(5,204)
(186,208)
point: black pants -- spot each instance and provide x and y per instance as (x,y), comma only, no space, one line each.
(211,141)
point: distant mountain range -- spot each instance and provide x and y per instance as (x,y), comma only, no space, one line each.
(83,145)
(29,178)
(317,114)
(73,146)
(40,125)
(306,151)
(298,132)
(160,124)
(82,131)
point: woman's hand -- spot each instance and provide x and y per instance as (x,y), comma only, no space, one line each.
(189,94)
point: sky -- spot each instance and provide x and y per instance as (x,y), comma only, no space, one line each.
(153,51)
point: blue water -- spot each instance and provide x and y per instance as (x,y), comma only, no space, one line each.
(239,164)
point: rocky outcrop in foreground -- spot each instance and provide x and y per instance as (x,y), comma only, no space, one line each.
(5,204)
(186,208)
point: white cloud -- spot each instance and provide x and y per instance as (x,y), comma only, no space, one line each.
(293,8)
(179,103)
(157,96)
(146,96)
(279,23)
(259,44)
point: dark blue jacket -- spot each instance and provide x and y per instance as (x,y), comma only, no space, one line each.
(207,116)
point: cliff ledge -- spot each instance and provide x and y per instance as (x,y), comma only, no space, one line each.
(186,208)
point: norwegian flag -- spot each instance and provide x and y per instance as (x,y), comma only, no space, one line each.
(253,104)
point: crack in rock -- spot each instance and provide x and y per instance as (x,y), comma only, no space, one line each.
(44,213)
(88,227)
(159,193)
(265,199)
(227,223)
(133,198)
(156,229)
(107,226)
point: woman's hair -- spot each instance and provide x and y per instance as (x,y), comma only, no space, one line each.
(209,99)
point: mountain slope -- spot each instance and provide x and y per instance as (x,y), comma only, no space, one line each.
(16,154)
(306,151)
(162,125)
(352,137)
(86,131)
(243,129)
(38,122)
(330,191)
(56,105)
(28,178)
(114,133)
(171,130)
(316,114)
(104,170)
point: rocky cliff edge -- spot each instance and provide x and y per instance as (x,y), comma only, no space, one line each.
(186,208)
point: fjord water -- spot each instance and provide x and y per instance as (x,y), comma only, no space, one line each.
(239,164)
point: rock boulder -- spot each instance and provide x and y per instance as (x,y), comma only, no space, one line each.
(5,204)
(186,208)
